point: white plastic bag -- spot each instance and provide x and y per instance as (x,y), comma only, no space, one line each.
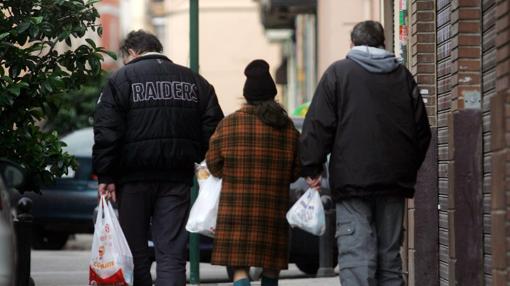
(308,213)
(203,214)
(111,261)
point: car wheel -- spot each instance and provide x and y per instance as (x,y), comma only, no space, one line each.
(47,240)
(311,267)
(230,273)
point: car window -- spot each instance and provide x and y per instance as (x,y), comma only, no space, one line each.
(80,142)
(82,172)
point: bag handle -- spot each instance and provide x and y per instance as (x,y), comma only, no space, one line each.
(100,208)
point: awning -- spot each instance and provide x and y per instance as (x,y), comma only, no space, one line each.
(280,14)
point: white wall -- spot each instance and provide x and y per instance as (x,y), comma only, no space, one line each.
(132,15)
(231,35)
(335,22)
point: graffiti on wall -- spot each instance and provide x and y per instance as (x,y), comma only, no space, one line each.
(404,30)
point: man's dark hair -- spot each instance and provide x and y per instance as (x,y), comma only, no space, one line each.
(140,42)
(368,33)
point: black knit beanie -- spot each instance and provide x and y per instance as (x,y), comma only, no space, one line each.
(259,85)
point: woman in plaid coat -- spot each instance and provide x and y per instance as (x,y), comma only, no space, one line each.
(254,150)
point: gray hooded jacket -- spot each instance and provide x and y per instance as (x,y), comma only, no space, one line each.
(368,114)
(374,60)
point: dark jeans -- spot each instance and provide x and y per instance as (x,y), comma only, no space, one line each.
(166,207)
(369,236)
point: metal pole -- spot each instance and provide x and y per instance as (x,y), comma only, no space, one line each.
(194,240)
(194,246)
(327,240)
(23,229)
(193,35)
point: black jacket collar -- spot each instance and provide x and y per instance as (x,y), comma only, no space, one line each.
(149,57)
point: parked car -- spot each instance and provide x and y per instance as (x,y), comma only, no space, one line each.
(11,176)
(67,206)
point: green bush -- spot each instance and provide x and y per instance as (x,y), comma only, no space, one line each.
(77,107)
(43,60)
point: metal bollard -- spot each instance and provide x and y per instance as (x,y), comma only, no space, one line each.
(23,229)
(327,240)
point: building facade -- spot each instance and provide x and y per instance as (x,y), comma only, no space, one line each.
(457,229)
(230,36)
(458,224)
(313,34)
(110,18)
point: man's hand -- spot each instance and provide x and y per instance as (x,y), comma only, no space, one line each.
(108,190)
(314,183)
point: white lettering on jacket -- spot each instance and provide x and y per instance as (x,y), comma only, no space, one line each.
(164,90)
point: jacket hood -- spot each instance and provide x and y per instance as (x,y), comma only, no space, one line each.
(374,60)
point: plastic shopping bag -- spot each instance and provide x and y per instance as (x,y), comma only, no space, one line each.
(308,213)
(111,261)
(203,214)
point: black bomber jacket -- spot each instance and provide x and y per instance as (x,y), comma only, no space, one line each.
(153,121)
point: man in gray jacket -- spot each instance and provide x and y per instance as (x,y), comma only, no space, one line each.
(368,114)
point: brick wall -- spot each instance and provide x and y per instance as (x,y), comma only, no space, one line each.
(465,212)
(443,57)
(449,63)
(422,226)
(500,128)
(423,53)
(488,91)
(454,48)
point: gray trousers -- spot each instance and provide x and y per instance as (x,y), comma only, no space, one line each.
(369,235)
(166,207)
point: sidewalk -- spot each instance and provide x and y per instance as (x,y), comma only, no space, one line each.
(216,276)
(331,281)
(289,277)
(70,268)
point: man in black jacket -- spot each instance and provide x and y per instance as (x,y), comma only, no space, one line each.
(368,114)
(153,121)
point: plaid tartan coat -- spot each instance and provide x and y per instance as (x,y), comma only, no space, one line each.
(257,163)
